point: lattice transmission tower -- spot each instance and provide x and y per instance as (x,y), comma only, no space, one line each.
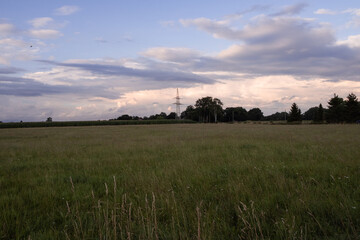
(177,103)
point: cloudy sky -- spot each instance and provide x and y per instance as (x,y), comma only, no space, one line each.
(90,60)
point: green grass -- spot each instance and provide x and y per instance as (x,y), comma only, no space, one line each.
(198,181)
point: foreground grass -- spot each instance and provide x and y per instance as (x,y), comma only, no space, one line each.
(180,182)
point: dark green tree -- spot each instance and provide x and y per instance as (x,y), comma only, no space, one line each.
(162,115)
(171,115)
(124,117)
(255,114)
(336,110)
(319,115)
(352,108)
(294,114)
(232,114)
(277,116)
(310,114)
(208,108)
(190,113)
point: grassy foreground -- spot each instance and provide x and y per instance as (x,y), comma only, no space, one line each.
(198,181)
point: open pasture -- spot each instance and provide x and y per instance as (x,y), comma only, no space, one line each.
(198,181)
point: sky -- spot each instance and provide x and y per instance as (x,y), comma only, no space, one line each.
(97,60)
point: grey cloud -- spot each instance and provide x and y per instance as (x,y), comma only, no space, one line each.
(215,28)
(149,74)
(281,45)
(18,86)
(262,29)
(291,10)
(256,8)
(239,14)
(172,54)
(10,70)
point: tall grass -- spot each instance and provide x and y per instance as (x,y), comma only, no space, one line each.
(224,181)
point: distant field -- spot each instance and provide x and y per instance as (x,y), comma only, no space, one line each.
(181,181)
(90,123)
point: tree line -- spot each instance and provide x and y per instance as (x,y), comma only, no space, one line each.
(210,110)
(337,111)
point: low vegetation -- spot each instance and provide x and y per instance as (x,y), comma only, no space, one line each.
(90,123)
(181,181)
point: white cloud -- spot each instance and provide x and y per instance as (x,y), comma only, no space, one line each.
(6,29)
(45,33)
(40,22)
(323,11)
(269,93)
(66,10)
(353,11)
(351,41)
(15,49)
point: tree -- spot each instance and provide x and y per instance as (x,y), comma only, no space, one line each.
(255,114)
(171,115)
(232,114)
(124,117)
(294,114)
(190,113)
(335,112)
(208,108)
(352,108)
(49,119)
(319,115)
(310,114)
(277,116)
(162,115)
(216,107)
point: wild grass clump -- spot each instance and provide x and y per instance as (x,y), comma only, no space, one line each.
(220,181)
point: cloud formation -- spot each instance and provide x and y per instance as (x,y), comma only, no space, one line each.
(281,45)
(154,75)
(40,22)
(45,33)
(323,11)
(6,29)
(291,10)
(26,44)
(10,70)
(15,49)
(66,10)
(272,60)
(171,54)
(26,87)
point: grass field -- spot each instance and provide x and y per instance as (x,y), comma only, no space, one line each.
(197,181)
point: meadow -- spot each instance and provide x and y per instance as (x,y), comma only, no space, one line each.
(180,181)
